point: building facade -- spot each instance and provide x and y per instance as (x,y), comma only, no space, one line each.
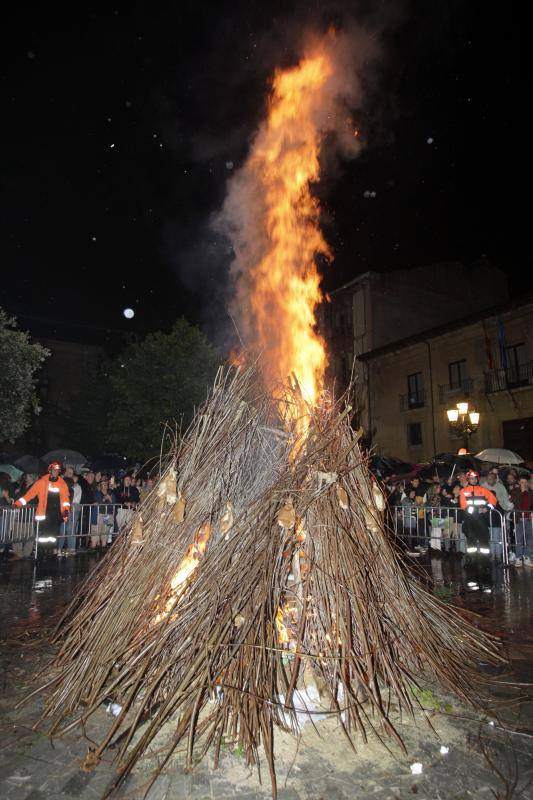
(485,359)
(376,309)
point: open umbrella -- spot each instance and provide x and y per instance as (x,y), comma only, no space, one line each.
(498,455)
(13,472)
(70,457)
(31,464)
(446,464)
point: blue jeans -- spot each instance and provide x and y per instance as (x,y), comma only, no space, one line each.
(69,530)
(524,538)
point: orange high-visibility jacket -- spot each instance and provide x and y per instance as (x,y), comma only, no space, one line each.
(40,490)
(476,497)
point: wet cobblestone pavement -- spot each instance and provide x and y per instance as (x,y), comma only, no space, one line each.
(483,759)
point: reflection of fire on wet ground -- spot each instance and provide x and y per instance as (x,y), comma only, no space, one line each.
(31,592)
(450,576)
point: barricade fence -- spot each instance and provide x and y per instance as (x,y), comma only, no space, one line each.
(17,524)
(519,526)
(451,529)
(93,525)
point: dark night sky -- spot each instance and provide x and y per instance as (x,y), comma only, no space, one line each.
(120,120)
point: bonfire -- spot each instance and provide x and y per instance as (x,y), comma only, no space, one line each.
(259,567)
(259,576)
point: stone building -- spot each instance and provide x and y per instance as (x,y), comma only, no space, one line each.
(485,358)
(376,309)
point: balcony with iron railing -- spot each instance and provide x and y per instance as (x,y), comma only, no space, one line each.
(516,377)
(462,390)
(414,400)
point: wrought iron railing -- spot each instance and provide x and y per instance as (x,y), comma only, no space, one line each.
(499,380)
(461,390)
(413,400)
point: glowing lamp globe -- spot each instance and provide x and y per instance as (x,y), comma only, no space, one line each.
(129,313)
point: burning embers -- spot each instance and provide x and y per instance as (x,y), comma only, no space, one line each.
(178,584)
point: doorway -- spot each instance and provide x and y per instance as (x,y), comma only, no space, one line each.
(518,436)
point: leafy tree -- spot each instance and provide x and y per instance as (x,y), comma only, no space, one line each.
(20,359)
(160,379)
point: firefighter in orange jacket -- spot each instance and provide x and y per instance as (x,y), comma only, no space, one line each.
(476,501)
(53,502)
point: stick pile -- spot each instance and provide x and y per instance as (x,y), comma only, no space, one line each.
(258,566)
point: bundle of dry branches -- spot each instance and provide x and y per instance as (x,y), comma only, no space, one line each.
(260,564)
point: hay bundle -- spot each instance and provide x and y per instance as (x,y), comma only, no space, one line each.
(259,566)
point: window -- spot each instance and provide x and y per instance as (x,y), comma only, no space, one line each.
(414,434)
(516,364)
(415,390)
(457,374)
(343,323)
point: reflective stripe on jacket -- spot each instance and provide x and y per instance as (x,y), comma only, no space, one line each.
(476,497)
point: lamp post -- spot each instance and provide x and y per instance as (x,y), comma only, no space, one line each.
(463,422)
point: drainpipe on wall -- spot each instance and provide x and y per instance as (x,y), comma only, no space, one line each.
(431,395)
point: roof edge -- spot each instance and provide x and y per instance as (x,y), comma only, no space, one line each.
(439,330)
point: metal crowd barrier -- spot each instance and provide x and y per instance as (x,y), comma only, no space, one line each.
(93,525)
(519,526)
(18,530)
(442,528)
(418,527)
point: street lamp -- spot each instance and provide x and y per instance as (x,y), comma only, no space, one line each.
(463,422)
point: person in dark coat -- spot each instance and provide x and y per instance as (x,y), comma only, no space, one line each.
(87,499)
(127,494)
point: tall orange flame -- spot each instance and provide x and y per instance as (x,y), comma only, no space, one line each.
(287,283)
(271,202)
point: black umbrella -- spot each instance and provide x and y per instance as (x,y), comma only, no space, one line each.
(31,464)
(436,469)
(464,462)
(447,463)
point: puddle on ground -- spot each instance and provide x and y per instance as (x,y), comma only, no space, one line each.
(31,592)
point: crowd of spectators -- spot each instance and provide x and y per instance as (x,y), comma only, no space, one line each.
(426,513)
(429,513)
(101,503)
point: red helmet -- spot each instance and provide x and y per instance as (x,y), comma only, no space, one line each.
(472,474)
(55,465)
